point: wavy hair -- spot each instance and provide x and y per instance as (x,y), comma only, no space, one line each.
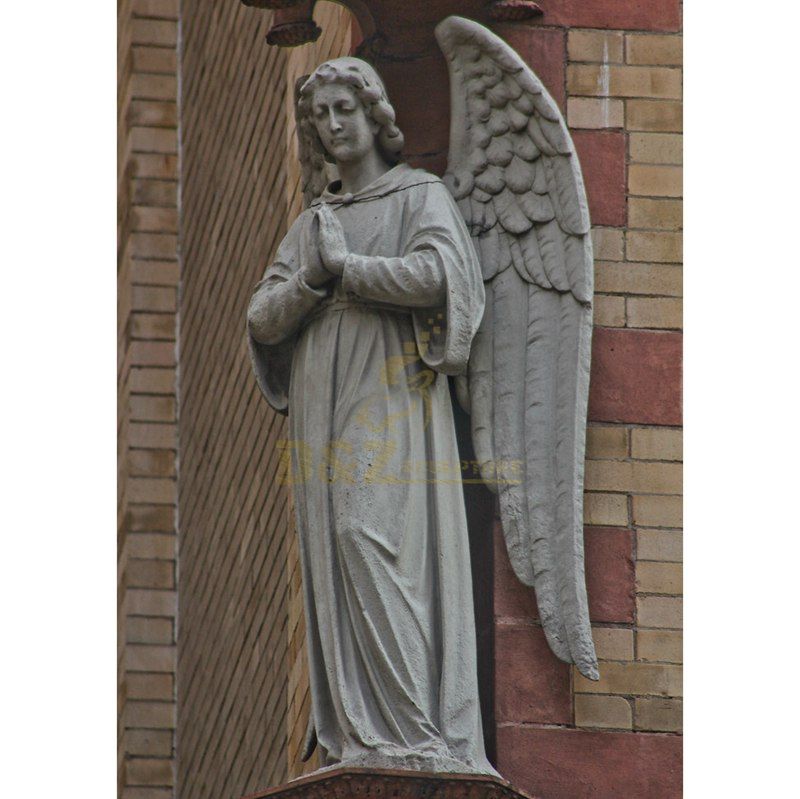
(371,92)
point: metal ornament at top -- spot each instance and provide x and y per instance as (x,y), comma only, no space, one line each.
(390,281)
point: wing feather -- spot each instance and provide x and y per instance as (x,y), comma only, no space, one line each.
(529,367)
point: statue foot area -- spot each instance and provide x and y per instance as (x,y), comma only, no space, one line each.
(355,783)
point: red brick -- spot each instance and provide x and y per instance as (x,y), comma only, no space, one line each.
(655,15)
(512,599)
(602,156)
(544,50)
(574,764)
(531,684)
(610,574)
(636,377)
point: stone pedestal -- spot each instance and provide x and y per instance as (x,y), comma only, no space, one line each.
(358,783)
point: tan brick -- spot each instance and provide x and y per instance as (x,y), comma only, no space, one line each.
(151,191)
(151,715)
(666,545)
(649,48)
(658,715)
(142,657)
(659,246)
(146,771)
(151,603)
(609,311)
(156,743)
(153,381)
(613,643)
(146,630)
(618,81)
(153,436)
(151,463)
(151,519)
(660,645)
(152,546)
(659,611)
(154,140)
(608,712)
(155,166)
(154,220)
(605,509)
(154,298)
(155,273)
(648,478)
(655,180)
(660,313)
(659,578)
(153,353)
(606,441)
(151,573)
(654,115)
(152,409)
(635,278)
(608,243)
(657,443)
(155,32)
(590,112)
(157,687)
(644,212)
(146,792)
(153,326)
(595,45)
(633,678)
(154,245)
(154,87)
(153,114)
(159,9)
(656,148)
(155,59)
(657,511)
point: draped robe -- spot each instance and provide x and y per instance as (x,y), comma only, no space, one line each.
(361,365)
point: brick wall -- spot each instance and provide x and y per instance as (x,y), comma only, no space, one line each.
(147,290)
(242,685)
(618,74)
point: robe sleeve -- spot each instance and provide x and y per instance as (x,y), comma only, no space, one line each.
(438,276)
(280,303)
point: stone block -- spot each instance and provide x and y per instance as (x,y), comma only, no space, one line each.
(636,278)
(659,611)
(610,712)
(655,180)
(655,511)
(658,246)
(654,115)
(594,113)
(531,684)
(656,148)
(655,313)
(658,715)
(602,157)
(664,646)
(609,311)
(648,48)
(607,510)
(606,441)
(661,214)
(657,443)
(578,764)
(613,643)
(154,59)
(608,244)
(610,578)
(636,377)
(661,545)
(659,578)
(633,678)
(594,45)
(600,80)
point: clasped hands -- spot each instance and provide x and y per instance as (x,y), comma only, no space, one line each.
(326,255)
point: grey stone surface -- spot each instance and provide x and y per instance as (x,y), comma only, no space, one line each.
(376,295)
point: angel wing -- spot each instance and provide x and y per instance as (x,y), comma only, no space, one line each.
(514,173)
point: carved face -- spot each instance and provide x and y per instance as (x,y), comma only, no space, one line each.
(346,132)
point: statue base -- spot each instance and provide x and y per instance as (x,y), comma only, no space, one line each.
(377,784)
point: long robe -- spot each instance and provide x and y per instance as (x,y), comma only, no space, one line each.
(362,364)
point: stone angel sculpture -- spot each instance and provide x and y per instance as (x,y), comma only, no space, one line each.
(383,287)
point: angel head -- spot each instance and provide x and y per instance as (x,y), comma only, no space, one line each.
(343,113)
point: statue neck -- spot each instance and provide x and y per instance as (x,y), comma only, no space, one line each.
(355,175)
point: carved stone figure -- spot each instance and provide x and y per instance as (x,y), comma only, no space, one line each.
(388,282)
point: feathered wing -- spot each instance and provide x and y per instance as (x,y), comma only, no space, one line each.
(514,172)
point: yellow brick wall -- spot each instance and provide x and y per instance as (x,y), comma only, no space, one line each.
(633,81)
(147,435)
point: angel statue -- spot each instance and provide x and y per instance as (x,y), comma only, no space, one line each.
(390,281)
